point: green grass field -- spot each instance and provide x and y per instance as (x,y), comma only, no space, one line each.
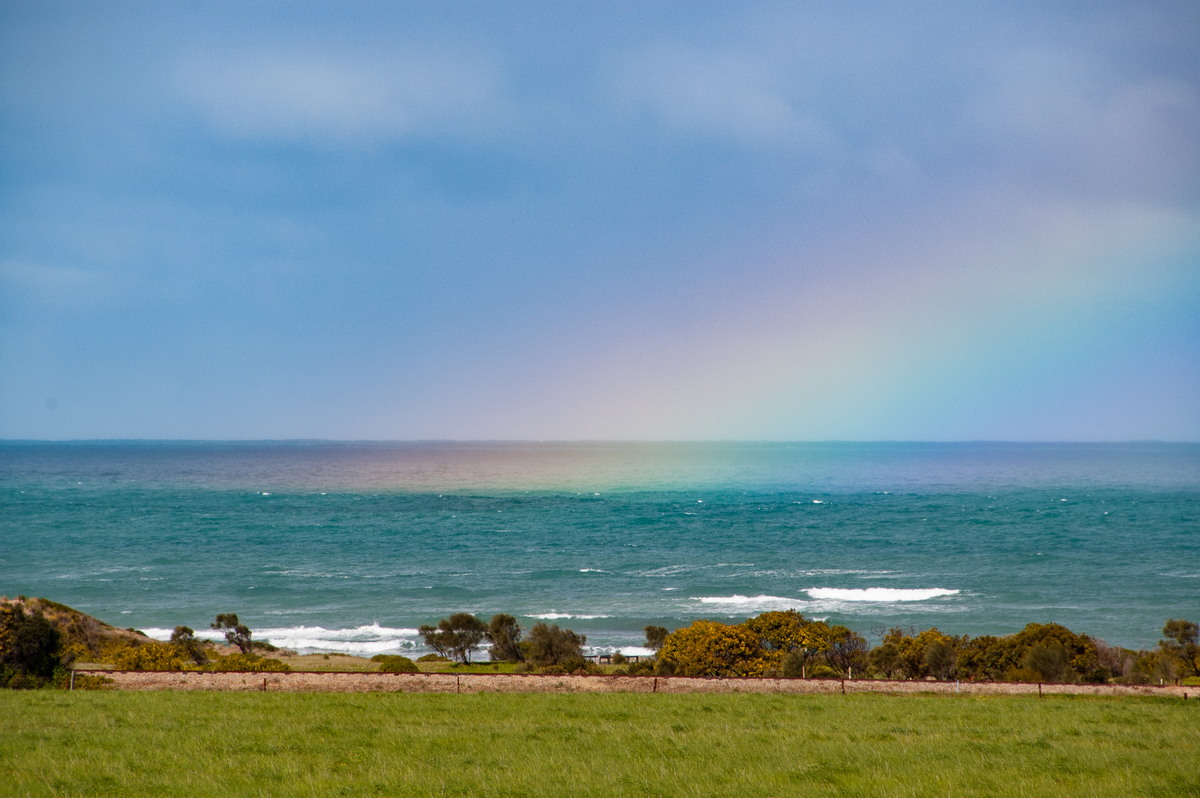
(124,743)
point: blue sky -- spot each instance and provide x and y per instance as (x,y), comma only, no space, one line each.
(541,220)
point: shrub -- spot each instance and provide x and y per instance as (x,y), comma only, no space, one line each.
(1048,660)
(246,662)
(85,681)
(550,646)
(643,667)
(432,658)
(151,656)
(708,648)
(823,672)
(1182,644)
(184,639)
(30,646)
(655,635)
(394,663)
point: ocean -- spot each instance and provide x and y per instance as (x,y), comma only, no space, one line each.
(350,547)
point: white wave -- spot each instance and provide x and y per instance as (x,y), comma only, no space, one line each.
(740,604)
(558,616)
(366,639)
(628,651)
(737,599)
(878,594)
(593,571)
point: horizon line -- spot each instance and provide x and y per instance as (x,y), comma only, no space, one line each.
(624,441)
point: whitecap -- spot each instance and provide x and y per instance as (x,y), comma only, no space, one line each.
(366,639)
(555,615)
(879,594)
(741,603)
(628,651)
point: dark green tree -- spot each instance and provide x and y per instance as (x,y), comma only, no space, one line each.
(184,638)
(504,633)
(847,651)
(551,646)
(984,658)
(455,637)
(29,646)
(1048,660)
(655,635)
(1082,658)
(885,658)
(1182,644)
(236,633)
(940,659)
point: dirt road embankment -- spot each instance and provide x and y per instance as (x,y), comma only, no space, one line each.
(309,682)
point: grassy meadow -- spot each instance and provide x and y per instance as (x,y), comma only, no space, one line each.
(126,743)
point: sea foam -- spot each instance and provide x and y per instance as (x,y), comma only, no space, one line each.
(559,616)
(743,604)
(366,639)
(879,594)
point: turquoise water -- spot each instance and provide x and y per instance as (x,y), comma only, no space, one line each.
(351,546)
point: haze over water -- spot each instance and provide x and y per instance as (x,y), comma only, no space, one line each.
(351,546)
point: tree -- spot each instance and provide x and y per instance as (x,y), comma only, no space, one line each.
(885,658)
(847,650)
(1182,644)
(455,637)
(780,631)
(29,644)
(504,633)
(236,633)
(550,646)
(655,635)
(708,648)
(1082,657)
(184,638)
(940,659)
(1048,661)
(910,657)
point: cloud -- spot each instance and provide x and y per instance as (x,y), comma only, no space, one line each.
(283,94)
(1067,111)
(720,95)
(53,285)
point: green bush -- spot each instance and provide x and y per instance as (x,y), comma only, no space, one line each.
(432,658)
(504,633)
(394,663)
(246,662)
(151,656)
(548,645)
(643,667)
(30,646)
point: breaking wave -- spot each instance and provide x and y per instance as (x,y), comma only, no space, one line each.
(878,594)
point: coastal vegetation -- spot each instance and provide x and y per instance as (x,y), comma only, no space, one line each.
(41,639)
(497,744)
(455,637)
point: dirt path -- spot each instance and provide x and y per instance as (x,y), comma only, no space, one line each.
(325,682)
